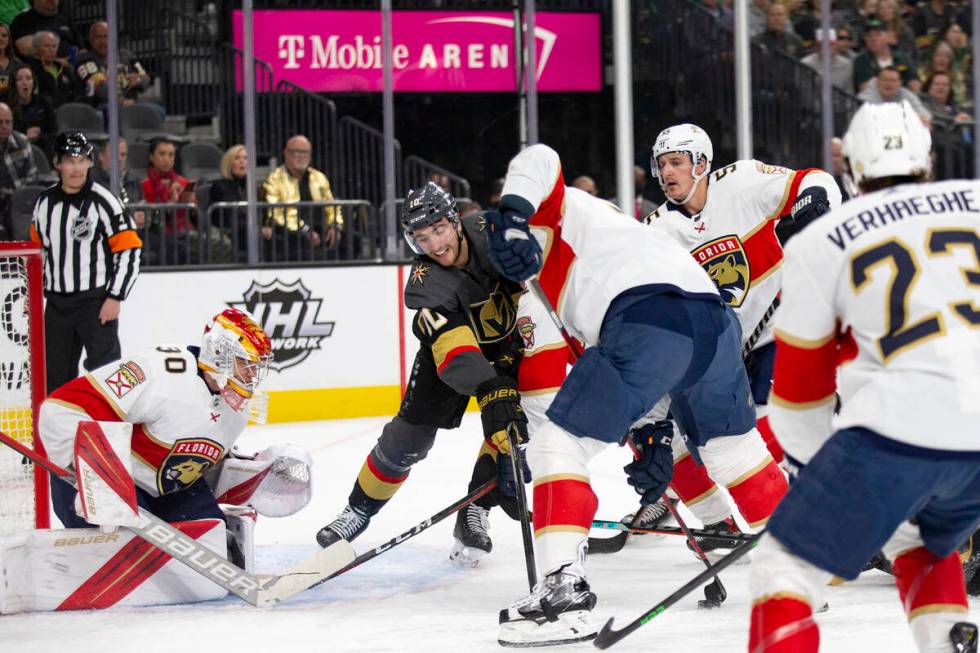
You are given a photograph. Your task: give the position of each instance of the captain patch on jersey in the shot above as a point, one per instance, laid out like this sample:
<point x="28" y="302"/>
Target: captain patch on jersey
<point x="187" y="461"/>
<point x="725" y="262"/>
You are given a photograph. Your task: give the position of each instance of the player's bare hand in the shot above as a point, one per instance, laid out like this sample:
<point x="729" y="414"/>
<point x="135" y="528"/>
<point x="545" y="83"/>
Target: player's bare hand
<point x="109" y="311"/>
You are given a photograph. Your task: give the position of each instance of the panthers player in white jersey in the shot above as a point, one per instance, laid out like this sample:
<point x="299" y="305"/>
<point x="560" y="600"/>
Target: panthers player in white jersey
<point x="172" y="414"/>
<point x="727" y="220"/>
<point x="880" y="305"/>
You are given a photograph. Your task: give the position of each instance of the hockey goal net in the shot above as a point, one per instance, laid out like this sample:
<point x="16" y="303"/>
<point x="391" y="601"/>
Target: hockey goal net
<point x="23" y="490"/>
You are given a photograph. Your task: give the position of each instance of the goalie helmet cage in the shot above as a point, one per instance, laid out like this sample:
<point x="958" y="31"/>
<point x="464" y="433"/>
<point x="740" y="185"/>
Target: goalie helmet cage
<point x="24" y="498"/>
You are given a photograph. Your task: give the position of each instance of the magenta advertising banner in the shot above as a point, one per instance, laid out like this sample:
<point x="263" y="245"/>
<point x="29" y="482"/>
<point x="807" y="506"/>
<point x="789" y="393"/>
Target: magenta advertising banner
<point x="451" y="51"/>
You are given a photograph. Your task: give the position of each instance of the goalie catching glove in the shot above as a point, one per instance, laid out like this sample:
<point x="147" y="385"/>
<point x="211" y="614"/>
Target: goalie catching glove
<point x="651" y="472"/>
<point x="275" y="481"/>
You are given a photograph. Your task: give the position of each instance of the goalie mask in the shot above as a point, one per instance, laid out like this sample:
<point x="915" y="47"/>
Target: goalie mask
<point x="236" y="352"/>
<point x="687" y="138"/>
<point x="882" y="141"/>
<point x="423" y="208"/>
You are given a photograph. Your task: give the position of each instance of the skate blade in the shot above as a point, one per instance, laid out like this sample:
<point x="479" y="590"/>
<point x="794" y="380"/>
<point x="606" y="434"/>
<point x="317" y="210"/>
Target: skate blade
<point x="466" y="556"/>
<point x="570" y="627"/>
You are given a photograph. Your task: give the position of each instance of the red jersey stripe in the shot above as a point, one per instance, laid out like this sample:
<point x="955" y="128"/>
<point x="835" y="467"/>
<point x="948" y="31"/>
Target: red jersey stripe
<point x="763" y="251"/>
<point x="543" y="369"/>
<point x="453" y="353"/>
<point x="804" y="375"/>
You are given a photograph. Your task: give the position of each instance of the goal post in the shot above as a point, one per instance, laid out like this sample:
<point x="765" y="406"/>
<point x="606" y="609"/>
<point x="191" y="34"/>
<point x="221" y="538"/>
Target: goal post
<point x="24" y="497"/>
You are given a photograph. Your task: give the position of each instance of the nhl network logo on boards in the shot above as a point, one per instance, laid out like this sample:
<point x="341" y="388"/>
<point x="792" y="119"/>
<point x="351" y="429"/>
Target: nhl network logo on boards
<point x="288" y="312"/>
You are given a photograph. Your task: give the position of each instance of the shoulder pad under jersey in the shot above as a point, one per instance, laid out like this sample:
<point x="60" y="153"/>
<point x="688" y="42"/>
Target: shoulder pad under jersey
<point x="430" y="285"/>
<point x="660" y="212"/>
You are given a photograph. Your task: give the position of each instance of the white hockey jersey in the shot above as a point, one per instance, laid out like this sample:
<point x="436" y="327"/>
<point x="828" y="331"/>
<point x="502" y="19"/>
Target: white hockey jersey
<point x="592" y="251"/>
<point x="888" y="289"/>
<point x="180" y="429"/>
<point x="734" y="236"/>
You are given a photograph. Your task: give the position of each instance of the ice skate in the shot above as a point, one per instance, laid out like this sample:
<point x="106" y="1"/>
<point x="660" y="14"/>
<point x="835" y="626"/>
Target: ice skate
<point x="348" y="525"/>
<point x="472" y="539"/>
<point x="558" y="611"/>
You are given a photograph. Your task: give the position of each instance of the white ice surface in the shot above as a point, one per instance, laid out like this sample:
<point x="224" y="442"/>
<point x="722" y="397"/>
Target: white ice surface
<point x="412" y="598"/>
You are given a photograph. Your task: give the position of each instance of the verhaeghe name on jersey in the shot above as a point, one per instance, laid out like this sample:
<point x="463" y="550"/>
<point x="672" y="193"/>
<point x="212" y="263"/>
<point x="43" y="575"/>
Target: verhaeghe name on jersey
<point x="886" y="212"/>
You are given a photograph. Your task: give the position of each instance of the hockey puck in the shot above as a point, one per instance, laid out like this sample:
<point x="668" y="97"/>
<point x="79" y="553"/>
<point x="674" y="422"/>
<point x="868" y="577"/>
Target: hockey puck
<point x="707" y="604"/>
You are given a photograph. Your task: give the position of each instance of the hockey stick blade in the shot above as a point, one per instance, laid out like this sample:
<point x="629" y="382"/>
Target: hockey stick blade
<point x="609" y="636"/>
<point x="669" y="530"/>
<point x="612" y="544"/>
<point x="196" y="556"/>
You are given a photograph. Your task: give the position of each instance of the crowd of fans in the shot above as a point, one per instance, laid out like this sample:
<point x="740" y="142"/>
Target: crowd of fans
<point x="884" y="51"/>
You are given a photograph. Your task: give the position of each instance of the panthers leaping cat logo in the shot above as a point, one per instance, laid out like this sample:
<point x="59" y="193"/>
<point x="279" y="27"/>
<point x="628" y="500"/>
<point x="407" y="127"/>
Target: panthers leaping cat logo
<point x="725" y="262"/>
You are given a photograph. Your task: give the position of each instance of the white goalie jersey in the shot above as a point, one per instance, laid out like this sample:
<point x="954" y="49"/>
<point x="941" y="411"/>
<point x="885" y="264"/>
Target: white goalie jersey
<point x="733" y="238"/>
<point x="180" y="428"/>
<point x="881" y="302"/>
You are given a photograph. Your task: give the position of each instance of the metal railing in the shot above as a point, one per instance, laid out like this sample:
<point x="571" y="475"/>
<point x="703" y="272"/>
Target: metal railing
<point x="417" y="171"/>
<point x="182" y="234"/>
<point x="362" y="162"/>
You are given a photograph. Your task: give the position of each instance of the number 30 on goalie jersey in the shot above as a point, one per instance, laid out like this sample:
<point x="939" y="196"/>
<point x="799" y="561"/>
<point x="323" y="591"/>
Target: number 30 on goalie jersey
<point x="888" y="289"/>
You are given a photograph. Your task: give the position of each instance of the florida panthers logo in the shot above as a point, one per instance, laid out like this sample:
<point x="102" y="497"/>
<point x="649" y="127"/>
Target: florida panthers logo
<point x="187" y="461"/>
<point x="526" y="326"/>
<point x="725" y="262"/>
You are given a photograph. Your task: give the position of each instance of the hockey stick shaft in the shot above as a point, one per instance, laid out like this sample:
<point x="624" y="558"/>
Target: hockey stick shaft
<point x="517" y="462"/>
<point x="760" y="327"/>
<point x="609" y="636"/>
<point x="669" y="530"/>
<point x="414" y="530"/>
<point x="535" y="286"/>
<point x="191" y="553"/>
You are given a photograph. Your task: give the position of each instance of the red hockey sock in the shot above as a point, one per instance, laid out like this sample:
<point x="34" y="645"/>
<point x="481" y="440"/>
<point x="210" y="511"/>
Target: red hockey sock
<point x="758" y="492"/>
<point x="783" y="624"/>
<point x="563" y="503"/>
<point x="691" y="481"/>
<point x="775" y="450"/>
<point x="927" y="583"/>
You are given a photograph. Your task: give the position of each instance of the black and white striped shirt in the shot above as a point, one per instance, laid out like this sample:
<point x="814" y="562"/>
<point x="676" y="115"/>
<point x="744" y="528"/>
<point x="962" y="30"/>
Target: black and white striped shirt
<point x="89" y="241"/>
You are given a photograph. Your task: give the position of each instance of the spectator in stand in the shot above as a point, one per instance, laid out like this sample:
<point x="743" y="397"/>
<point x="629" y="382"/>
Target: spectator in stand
<point x="18" y="168"/>
<point x="806" y="22"/>
<point x="898" y="35"/>
<point x="887" y="87"/>
<point x="8" y="61"/>
<point x="130" y="190"/>
<point x="857" y="16"/>
<point x="164" y="185"/>
<point x="931" y="21"/>
<point x="776" y="38"/>
<point x="441" y="180"/>
<point x="722" y="13"/>
<point x="959" y="41"/>
<point x="837" y="165"/>
<point x="467" y="208"/>
<point x="10" y="9"/>
<point x="941" y="61"/>
<point x="43" y="16"/>
<point x="33" y="112"/>
<point x="757" y="17"/>
<point x="90" y="66"/>
<point x="879" y="55"/>
<point x="231" y="188"/>
<point x="937" y="96"/>
<point x="288" y="234"/>
<point x="54" y="78"/>
<point x="586" y="183"/>
<point x="841" y="64"/>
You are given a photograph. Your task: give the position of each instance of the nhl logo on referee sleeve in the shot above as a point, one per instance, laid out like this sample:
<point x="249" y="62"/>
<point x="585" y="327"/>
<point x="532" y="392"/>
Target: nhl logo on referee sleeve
<point x="725" y="261"/>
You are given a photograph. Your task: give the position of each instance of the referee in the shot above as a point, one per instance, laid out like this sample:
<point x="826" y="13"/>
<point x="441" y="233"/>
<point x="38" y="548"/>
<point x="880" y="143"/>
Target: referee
<point x="91" y="261"/>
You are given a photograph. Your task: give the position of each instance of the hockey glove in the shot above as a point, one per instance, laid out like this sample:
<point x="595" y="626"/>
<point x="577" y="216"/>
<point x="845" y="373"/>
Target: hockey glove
<point x="513" y="250"/>
<point x="506" y="481"/>
<point x="500" y="406"/>
<point x="810" y="205"/>
<point x="651" y="472"/>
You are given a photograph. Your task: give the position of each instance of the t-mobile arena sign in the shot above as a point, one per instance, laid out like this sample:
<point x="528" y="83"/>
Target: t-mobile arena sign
<point x="454" y="51"/>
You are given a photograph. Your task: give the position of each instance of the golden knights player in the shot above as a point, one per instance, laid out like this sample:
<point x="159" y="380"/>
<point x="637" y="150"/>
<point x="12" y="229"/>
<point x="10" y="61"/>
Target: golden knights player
<point x="465" y="319"/>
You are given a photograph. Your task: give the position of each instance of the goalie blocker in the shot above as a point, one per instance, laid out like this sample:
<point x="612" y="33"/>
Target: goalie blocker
<point x="84" y="568"/>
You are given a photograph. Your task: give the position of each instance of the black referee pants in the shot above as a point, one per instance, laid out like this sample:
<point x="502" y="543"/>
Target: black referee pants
<point x="71" y="322"/>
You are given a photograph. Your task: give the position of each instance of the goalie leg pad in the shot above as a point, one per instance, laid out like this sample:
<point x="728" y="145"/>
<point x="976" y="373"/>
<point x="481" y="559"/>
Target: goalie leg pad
<point x="564" y="503"/>
<point x="77" y="569"/>
<point x="784" y="589"/>
<point x="743" y="465"/>
<point x="240" y="523"/>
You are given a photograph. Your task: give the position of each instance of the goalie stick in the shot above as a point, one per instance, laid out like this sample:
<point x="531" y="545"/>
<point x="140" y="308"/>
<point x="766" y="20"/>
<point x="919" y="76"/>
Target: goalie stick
<point x="255" y="590"/>
<point x="609" y="636"/>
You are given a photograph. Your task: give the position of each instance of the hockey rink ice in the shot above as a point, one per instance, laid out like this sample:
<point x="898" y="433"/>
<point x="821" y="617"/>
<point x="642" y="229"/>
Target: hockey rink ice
<point x="412" y="598"/>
